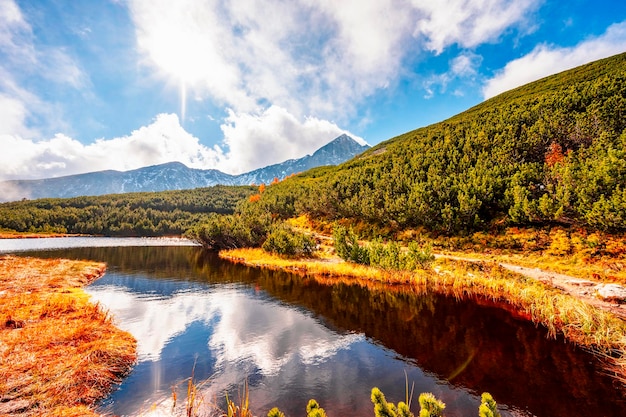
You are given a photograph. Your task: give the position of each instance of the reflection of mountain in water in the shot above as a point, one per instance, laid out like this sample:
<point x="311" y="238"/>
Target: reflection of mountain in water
<point x="478" y="347"/>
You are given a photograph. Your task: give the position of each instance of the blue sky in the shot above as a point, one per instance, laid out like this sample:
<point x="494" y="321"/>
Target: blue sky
<point x="235" y="85"/>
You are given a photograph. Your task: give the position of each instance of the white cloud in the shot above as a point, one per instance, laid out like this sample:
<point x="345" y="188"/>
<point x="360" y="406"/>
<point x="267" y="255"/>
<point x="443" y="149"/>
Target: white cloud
<point x="162" y="141"/>
<point x="310" y="57"/>
<point x="469" y="23"/>
<point x="15" y="33"/>
<point x="289" y="72"/>
<point x="284" y="69"/>
<point x="59" y="67"/>
<point x="10" y="192"/>
<point x="464" y="66"/>
<point x="545" y="60"/>
<point x="272" y="136"/>
<point x="12" y="115"/>
<point x="22" y="110"/>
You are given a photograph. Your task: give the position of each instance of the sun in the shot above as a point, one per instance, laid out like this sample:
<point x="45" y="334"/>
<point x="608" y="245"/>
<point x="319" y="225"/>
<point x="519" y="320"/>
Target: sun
<point x="180" y="48"/>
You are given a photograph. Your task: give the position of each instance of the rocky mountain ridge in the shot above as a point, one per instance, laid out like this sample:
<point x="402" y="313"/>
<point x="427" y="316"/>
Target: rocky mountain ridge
<point x="175" y="176"/>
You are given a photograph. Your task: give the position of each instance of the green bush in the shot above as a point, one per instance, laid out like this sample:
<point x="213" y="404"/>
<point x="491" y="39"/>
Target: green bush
<point x="419" y="256"/>
<point x="384" y="409"/>
<point x="347" y="246"/>
<point x="488" y="406"/>
<point x="386" y="256"/>
<point x="275" y="412"/>
<point x="430" y="406"/>
<point x="313" y="409"/>
<point x="231" y="231"/>
<point x="284" y="241"/>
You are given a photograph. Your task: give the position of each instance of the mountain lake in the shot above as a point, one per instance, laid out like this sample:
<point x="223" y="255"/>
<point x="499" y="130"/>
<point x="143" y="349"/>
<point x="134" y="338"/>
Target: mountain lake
<point x="291" y="338"/>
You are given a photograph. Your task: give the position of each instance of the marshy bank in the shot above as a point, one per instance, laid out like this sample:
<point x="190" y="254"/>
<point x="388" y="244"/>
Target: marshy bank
<point x="578" y="322"/>
<point x="59" y="353"/>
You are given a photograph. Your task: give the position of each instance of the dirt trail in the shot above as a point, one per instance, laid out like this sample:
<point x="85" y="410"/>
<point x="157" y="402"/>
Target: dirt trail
<point x="583" y="289"/>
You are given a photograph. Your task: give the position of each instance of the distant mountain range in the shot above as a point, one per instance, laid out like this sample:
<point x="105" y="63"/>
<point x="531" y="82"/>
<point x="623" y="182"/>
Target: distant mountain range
<point x="176" y="176"/>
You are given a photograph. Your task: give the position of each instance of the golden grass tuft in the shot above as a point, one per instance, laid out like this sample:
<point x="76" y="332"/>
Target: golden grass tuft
<point x="59" y="353"/>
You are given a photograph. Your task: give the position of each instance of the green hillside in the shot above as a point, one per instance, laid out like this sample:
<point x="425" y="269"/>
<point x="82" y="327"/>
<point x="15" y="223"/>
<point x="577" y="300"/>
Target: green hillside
<point x="550" y="152"/>
<point x="130" y="214"/>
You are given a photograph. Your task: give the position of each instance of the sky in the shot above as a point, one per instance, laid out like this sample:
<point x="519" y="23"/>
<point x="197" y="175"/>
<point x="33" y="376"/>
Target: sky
<point x="237" y="85"/>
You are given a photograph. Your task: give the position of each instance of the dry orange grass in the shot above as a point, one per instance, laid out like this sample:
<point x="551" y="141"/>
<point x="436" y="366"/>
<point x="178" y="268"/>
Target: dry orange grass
<point x="59" y="353"/>
<point x="596" y="256"/>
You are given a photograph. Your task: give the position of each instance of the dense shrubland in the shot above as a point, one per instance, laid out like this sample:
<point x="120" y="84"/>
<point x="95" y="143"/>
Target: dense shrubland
<point x="132" y="214"/>
<point x="389" y="256"/>
<point x="549" y="153"/>
<point x="552" y="153"/>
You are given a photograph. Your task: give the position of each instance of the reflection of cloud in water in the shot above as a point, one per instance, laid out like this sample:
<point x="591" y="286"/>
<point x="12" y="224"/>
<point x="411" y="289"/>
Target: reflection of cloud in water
<point x="153" y="321"/>
<point x="248" y="336"/>
<point x="249" y="329"/>
<point x="235" y="334"/>
<point x="269" y="335"/>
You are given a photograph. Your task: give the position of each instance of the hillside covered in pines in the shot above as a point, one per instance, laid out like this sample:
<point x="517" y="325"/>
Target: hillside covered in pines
<point x="131" y="214"/>
<point x="552" y="152"/>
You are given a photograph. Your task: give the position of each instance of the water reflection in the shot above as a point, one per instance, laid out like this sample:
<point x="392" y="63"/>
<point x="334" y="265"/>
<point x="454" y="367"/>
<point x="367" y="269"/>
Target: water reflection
<point x="294" y="338"/>
<point x="230" y="332"/>
<point x="50" y="243"/>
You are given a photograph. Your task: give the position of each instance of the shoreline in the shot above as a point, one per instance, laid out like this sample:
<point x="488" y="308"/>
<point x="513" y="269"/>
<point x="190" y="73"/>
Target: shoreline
<point x="59" y="352"/>
<point x="27" y="235"/>
<point x="599" y="331"/>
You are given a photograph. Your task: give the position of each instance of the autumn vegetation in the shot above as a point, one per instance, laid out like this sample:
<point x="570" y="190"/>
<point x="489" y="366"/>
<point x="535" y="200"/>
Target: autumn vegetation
<point x="59" y="353"/>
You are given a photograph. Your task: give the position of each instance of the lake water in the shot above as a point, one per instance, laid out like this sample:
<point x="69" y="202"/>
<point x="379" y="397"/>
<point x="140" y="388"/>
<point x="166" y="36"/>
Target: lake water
<point x="292" y="339"/>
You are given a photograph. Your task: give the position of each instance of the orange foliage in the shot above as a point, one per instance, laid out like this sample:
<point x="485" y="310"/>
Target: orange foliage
<point x="554" y="155"/>
<point x="275" y="181"/>
<point x="254" y="198"/>
<point x="261" y="188"/>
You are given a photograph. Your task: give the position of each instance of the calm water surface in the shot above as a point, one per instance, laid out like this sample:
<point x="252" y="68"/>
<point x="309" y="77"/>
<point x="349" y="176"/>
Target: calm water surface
<point x="294" y="339"/>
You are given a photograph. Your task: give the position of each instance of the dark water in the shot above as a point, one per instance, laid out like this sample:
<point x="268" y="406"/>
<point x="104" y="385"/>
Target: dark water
<point x="294" y="339"/>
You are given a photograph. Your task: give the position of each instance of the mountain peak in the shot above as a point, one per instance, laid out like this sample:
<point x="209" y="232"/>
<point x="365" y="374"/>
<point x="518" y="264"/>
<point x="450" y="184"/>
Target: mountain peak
<point x="345" y="138"/>
<point x="340" y="146"/>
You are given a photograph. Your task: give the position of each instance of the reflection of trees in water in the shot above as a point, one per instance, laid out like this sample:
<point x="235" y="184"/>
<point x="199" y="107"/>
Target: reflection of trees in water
<point x="472" y="343"/>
